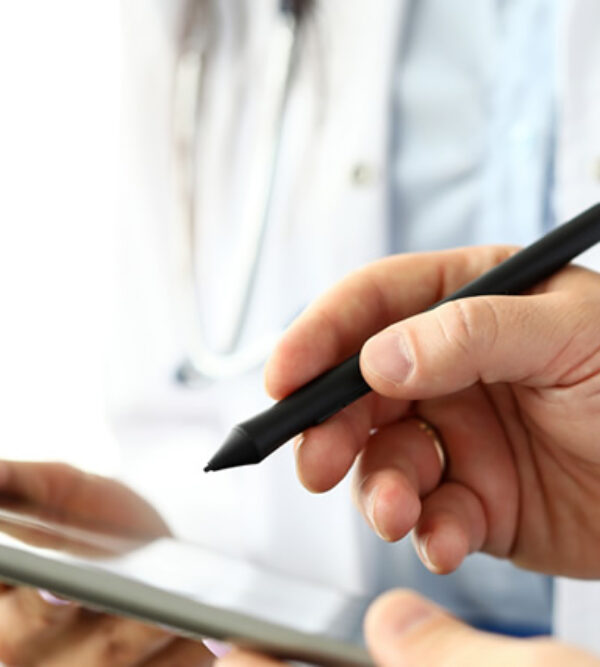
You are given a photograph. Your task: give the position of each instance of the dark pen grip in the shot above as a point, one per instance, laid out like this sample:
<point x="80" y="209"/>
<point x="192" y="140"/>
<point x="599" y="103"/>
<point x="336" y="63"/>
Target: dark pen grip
<point x="324" y="396"/>
<point x="327" y="394"/>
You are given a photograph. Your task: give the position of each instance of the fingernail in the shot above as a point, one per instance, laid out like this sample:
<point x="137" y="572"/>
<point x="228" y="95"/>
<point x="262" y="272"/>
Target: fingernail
<point x="54" y="600"/>
<point x="370" y="504"/>
<point x="217" y="648"/>
<point x="298" y="443"/>
<point x="422" y="545"/>
<point x="388" y="356"/>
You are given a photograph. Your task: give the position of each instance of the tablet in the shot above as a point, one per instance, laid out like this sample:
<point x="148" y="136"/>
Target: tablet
<point x="189" y="589"/>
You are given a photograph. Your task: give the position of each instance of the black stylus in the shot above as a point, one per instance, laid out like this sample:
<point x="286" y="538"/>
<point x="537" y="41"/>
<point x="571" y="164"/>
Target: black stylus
<point x="253" y="440"/>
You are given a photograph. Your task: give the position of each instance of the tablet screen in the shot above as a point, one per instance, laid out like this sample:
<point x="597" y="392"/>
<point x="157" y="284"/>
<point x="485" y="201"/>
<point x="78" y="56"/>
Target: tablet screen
<point x="189" y="588"/>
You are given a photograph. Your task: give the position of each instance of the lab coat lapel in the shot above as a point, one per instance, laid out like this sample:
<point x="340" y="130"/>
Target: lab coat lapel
<point x="356" y="51"/>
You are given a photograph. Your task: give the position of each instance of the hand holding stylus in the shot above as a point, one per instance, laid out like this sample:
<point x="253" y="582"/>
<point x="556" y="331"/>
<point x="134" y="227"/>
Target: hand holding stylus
<point x="481" y="435"/>
<point x="508" y="385"/>
<point x="326" y="394"/>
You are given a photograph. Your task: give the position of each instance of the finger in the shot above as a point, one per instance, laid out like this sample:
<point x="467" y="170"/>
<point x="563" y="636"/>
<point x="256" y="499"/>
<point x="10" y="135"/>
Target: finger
<point x="107" y="640"/>
<point x="532" y="340"/>
<point x="29" y="623"/>
<point x="239" y="658"/>
<point x="182" y="653"/>
<point x="59" y="486"/>
<point x="400" y="464"/>
<point x="337" y="324"/>
<point x="451" y="526"/>
<point x="325" y="454"/>
<point x="480" y="456"/>
<point x="37" y="482"/>
<point x="403" y="629"/>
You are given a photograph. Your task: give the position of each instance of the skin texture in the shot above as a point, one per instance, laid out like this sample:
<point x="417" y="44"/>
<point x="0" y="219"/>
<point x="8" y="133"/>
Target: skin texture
<point x="512" y="387"/>
<point x="405" y="630"/>
<point x="511" y="384"/>
<point x="35" y="631"/>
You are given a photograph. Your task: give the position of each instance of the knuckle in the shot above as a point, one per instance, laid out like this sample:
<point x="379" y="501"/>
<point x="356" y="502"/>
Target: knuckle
<point x="470" y="325"/>
<point x="489" y="321"/>
<point x="41" y="616"/>
<point x="455" y="321"/>
<point x="115" y="650"/>
<point x="124" y="642"/>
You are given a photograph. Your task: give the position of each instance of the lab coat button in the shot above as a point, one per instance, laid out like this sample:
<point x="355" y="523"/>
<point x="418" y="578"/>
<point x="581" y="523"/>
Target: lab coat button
<point x="596" y="169"/>
<point x="363" y="174"/>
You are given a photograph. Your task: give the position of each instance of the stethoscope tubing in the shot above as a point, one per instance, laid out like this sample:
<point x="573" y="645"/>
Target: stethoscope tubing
<point x="201" y="360"/>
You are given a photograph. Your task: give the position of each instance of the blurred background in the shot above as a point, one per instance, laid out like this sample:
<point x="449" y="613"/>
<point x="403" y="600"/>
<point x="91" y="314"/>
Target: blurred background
<point x="59" y="117"/>
<point x="455" y="141"/>
<point x="93" y="341"/>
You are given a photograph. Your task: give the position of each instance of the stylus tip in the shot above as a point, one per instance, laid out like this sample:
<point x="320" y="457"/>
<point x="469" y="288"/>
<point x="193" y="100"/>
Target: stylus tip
<point x="237" y="450"/>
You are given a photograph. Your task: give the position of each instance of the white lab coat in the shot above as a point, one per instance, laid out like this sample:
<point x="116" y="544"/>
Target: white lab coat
<point x="331" y="222"/>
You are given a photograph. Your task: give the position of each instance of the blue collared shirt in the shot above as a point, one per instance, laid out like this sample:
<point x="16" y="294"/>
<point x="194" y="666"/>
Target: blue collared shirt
<point x="473" y="116"/>
<point x="471" y="162"/>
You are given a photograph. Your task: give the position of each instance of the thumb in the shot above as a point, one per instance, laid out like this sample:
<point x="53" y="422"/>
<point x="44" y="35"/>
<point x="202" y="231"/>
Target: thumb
<point x="403" y="629"/>
<point x="531" y="339"/>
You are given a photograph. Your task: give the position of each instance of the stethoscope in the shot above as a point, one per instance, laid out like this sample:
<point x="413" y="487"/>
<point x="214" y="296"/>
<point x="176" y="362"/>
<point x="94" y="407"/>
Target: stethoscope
<point x="203" y="361"/>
